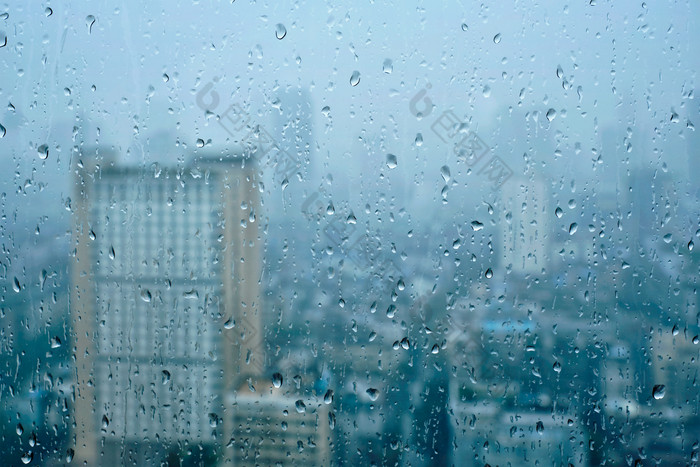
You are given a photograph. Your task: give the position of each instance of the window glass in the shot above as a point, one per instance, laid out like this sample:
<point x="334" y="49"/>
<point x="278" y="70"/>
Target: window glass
<point x="349" y="233"/>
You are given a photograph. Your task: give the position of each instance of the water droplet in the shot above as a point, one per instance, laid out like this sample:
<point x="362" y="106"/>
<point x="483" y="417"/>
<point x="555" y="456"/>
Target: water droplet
<point x="69" y="455"/>
<point x="691" y="245"/>
<point x="573" y="228"/>
<point x="90" y="20"/>
<point x="3" y="131"/>
<point x="16" y="285"/>
<point x="328" y="397"/>
<point x="200" y="143"/>
<point x="668" y="237"/>
<point x="445" y="172"/>
<point x="166" y="78"/>
<point x="165" y="376"/>
<point x="476" y="226"/>
<point x="674" y="117"/>
<point x="326" y="111"/>
<point x="391" y="161"/>
<point x="146" y="295"/>
<point x="112" y="254"/>
<point x="55" y="342"/>
<point x="27" y="458"/>
<point x="387" y="66"/>
<point x="48" y="12"/>
<point x="391" y="311"/>
<point x="280" y="31"/>
<point x="435" y="349"/>
<point x="373" y="394"/>
<point x="419" y="140"/>
<point x="20" y="429"/>
<point x="301" y="407"/>
<point x="497" y="38"/>
<point x="551" y="114"/>
<point x="557" y="367"/>
<point x="355" y="78"/>
<point x="330" y="210"/>
<point x="487" y="91"/>
<point x="405" y="343"/>
<point x="277" y="380"/>
<point x="105" y="422"/>
<point x="465" y="27"/>
<point x="43" y="152"/>
<point x="659" y="391"/>
<point x="539" y="427"/>
<point x="558" y="212"/>
<point x="489" y="273"/>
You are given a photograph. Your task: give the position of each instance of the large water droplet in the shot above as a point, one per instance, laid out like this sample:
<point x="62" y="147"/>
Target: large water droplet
<point x="328" y="397"/>
<point x="387" y="66"/>
<point x="445" y="172"/>
<point x="280" y="31"/>
<point x="659" y="391"/>
<point x="489" y="273"/>
<point x="300" y="406"/>
<point x="551" y="114"/>
<point x="497" y="38"/>
<point x="277" y="380"/>
<point x="355" y="78"/>
<point x="465" y="27"/>
<point x="373" y="394"/>
<point x="3" y="131"/>
<point x="573" y="228"/>
<point x="90" y="20"/>
<point x="476" y="226"/>
<point x="165" y="377"/>
<point x="391" y="161"/>
<point x="558" y="212"/>
<point x="43" y="152"/>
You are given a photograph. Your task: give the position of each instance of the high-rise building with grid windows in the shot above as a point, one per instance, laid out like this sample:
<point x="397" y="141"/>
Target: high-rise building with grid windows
<point x="165" y="304"/>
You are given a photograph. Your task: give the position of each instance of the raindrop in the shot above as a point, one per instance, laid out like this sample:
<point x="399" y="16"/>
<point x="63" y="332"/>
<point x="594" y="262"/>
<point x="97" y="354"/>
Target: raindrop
<point x="3" y="131"/>
<point x="558" y="212"/>
<point x="391" y="311"/>
<point x="435" y="349"/>
<point x="387" y="66"/>
<point x="489" y="273"/>
<point x="43" y="152"/>
<point x="551" y="114"/>
<point x="112" y="254"/>
<point x="539" y="427"/>
<point x="16" y="286"/>
<point x="373" y="394"/>
<point x="166" y="78"/>
<point x="573" y="228"/>
<point x="90" y="20"/>
<point x="326" y="111"/>
<point x="280" y="31"/>
<point x="476" y="226"/>
<point x="301" y="407"/>
<point x="27" y="458"/>
<point x="146" y="295"/>
<point x="328" y="397"/>
<point x="20" y="429"/>
<point x="69" y="455"/>
<point x="165" y="376"/>
<point x="48" y="11"/>
<point x="105" y="422"/>
<point x="668" y="237"/>
<point x="659" y="391"/>
<point x="445" y="172"/>
<point x="487" y="91"/>
<point x="55" y="342"/>
<point x="419" y="140"/>
<point x="557" y="367"/>
<point x="277" y="380"/>
<point x="391" y="161"/>
<point x="465" y="27"/>
<point x="497" y="38"/>
<point x="355" y="78"/>
<point x="200" y="143"/>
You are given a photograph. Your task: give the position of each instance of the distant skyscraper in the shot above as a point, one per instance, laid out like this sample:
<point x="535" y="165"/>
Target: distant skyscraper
<point x="524" y="227"/>
<point x="164" y="303"/>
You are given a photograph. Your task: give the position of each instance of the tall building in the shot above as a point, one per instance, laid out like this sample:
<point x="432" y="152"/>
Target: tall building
<point x="271" y="428"/>
<point x="165" y="303"/>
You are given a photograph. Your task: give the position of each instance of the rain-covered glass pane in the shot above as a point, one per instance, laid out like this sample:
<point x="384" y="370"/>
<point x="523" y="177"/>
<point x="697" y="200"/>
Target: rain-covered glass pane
<point x="350" y="233"/>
